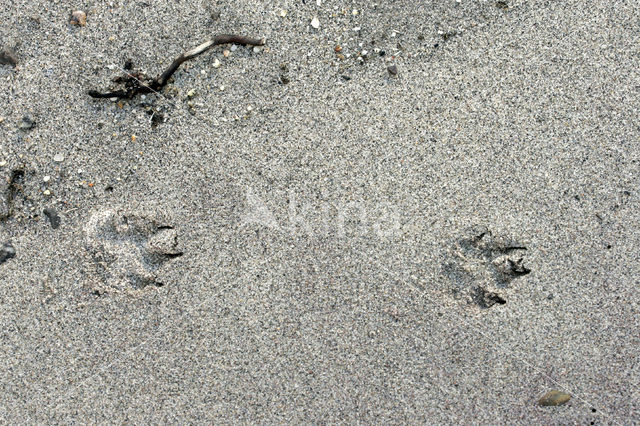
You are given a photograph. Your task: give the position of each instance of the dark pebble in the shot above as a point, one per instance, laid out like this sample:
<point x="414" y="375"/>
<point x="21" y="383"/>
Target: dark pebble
<point x="53" y="217"/>
<point x="7" y="252"/>
<point x="346" y="78"/>
<point x="393" y="70"/>
<point x="8" y="57"/>
<point x="26" y="123"/>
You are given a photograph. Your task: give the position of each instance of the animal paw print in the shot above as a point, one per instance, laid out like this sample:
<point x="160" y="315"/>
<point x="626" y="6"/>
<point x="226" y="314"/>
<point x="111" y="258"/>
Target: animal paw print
<point x="129" y="248"/>
<point x="481" y="267"/>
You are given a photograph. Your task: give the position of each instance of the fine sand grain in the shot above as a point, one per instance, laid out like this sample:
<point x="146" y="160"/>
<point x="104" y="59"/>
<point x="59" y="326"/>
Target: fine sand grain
<point x="402" y="212"/>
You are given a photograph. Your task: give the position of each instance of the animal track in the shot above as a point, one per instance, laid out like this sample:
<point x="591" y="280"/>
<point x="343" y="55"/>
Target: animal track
<point x="129" y="247"/>
<point x="482" y="266"/>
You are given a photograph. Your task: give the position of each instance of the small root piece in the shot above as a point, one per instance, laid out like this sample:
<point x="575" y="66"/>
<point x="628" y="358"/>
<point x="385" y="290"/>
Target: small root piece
<point x="136" y="84"/>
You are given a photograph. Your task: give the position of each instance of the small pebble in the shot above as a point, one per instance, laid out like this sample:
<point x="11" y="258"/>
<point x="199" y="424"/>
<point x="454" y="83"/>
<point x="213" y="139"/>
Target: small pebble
<point x="46" y="178"/>
<point x="221" y="88"/>
<point x="26" y="123"/>
<point x="53" y="217"/>
<point x="234" y="47"/>
<point x="78" y="18"/>
<point x="46" y="192"/>
<point x="554" y="398"/>
<point x="216" y="63"/>
<point x="393" y="70"/>
<point x="226" y="53"/>
<point x="3" y="163"/>
<point x="58" y="158"/>
<point x="191" y="93"/>
<point x="257" y="49"/>
<point x="283" y="13"/>
<point x="7" y="252"/>
<point x="315" y="23"/>
<point x="8" y="57"/>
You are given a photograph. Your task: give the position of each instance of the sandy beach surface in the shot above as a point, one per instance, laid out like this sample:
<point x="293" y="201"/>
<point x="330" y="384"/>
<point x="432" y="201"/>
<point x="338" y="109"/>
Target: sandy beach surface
<point x="392" y="212"/>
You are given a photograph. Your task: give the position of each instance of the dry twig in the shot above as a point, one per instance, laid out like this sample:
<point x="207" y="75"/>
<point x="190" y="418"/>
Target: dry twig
<point x="137" y="83"/>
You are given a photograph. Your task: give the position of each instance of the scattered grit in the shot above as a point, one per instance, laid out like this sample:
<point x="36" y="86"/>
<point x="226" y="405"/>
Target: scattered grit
<point x="400" y="212"/>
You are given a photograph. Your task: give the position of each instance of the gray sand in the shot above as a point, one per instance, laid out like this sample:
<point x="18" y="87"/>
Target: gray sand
<point x="344" y="232"/>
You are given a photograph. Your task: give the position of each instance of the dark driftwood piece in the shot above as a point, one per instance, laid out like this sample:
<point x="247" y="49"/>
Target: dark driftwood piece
<point x="137" y="83"/>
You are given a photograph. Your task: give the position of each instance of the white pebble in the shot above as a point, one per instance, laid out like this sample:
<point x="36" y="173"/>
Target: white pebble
<point x="3" y="163"/>
<point x="46" y="178"/>
<point x="234" y="47"/>
<point x="216" y="63"/>
<point x="283" y="13"/>
<point x="356" y="29"/>
<point x="315" y="23"/>
<point x="203" y="72"/>
<point x="47" y="192"/>
<point x="221" y="88"/>
<point x="58" y="158"/>
<point x="257" y="49"/>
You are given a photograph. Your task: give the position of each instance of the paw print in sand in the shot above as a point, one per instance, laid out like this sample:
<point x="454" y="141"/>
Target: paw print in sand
<point x="482" y="266"/>
<point x="129" y="248"/>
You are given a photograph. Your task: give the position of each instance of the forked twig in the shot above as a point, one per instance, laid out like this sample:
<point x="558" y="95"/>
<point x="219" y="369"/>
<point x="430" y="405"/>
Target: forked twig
<point x="137" y="83"/>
